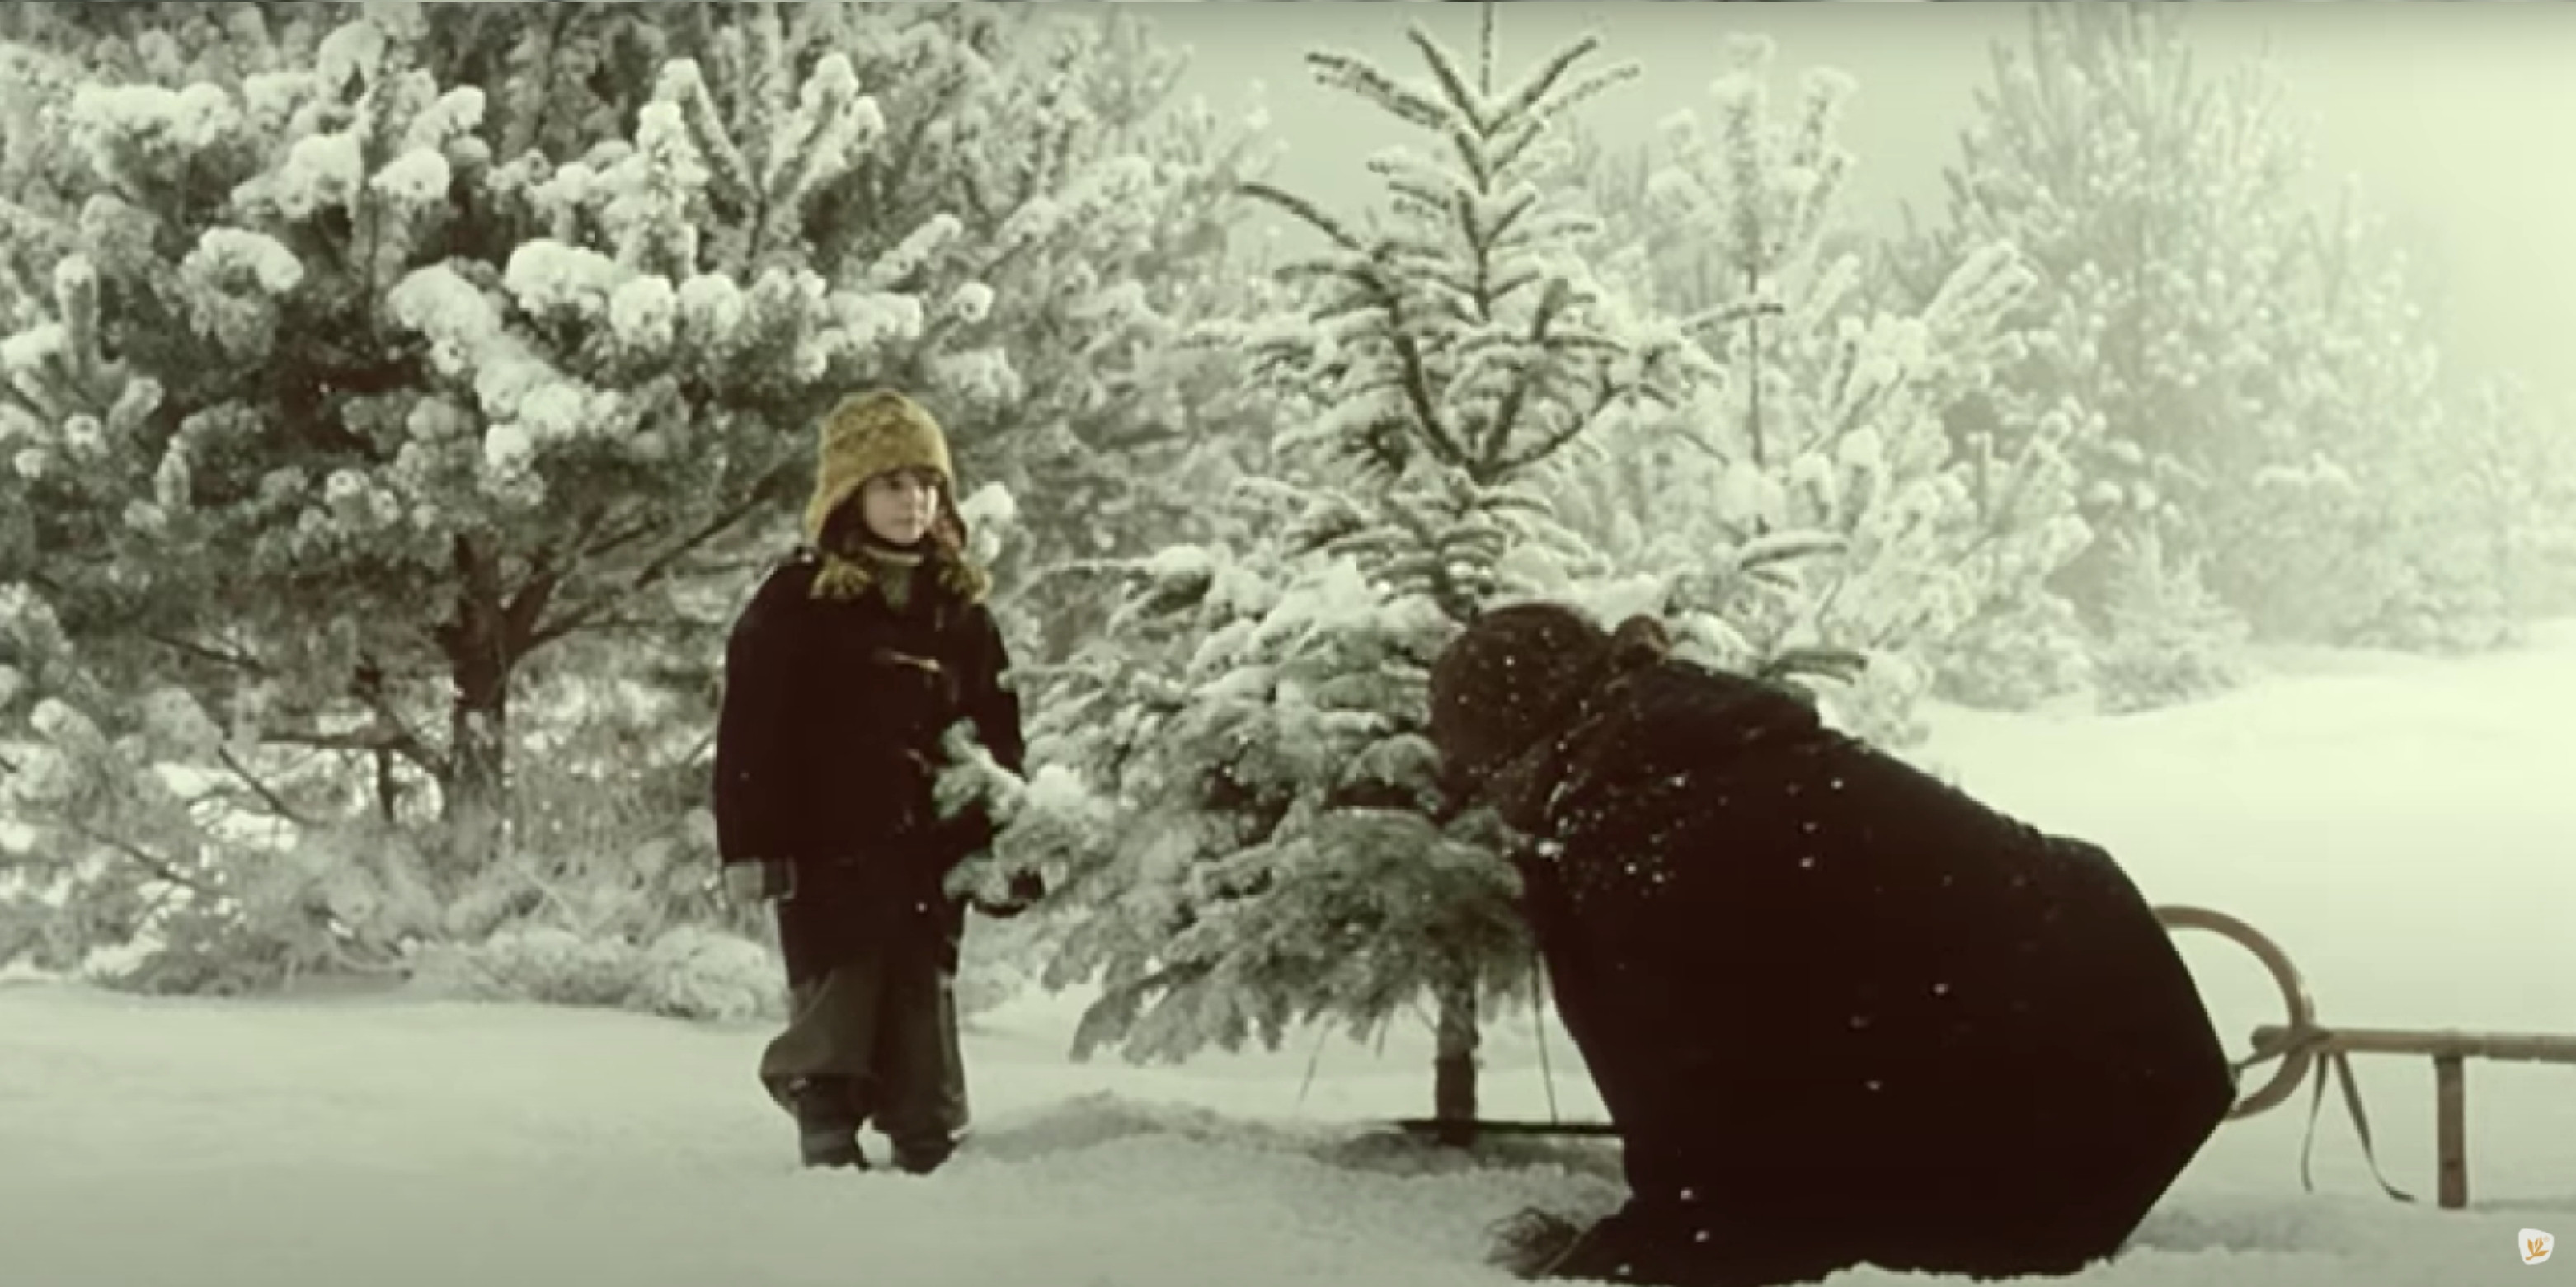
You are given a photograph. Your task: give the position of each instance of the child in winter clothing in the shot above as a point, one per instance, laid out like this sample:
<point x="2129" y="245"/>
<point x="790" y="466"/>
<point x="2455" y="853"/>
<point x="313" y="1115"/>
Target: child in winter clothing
<point x="841" y="676"/>
<point x="1840" y="1013"/>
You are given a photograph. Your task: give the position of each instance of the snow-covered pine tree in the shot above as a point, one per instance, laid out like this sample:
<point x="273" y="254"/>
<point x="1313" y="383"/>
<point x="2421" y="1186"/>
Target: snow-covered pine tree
<point x="1284" y="854"/>
<point x="1037" y="163"/>
<point x="2175" y="314"/>
<point x="2166" y="639"/>
<point x="2318" y="539"/>
<point x="1088" y="204"/>
<point x="2475" y="523"/>
<point x="1813" y="456"/>
<point x="1092" y="202"/>
<point x="359" y="388"/>
<point x="2426" y="501"/>
<point x="2519" y="453"/>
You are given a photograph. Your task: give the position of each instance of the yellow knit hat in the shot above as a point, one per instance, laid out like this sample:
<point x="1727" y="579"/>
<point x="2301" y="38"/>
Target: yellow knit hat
<point x="866" y="435"/>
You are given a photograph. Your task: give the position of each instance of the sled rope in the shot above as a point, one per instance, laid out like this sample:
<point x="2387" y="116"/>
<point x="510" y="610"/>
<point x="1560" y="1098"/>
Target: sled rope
<point x="2316" y="1042"/>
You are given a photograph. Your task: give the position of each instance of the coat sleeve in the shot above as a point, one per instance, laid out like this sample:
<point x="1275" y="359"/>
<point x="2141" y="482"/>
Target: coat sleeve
<point x="750" y="736"/>
<point x="991" y="702"/>
<point x="993" y="709"/>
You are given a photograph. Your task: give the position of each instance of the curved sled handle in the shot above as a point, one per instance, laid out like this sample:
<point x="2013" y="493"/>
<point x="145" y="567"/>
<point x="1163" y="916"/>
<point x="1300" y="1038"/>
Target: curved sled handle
<point x="2297" y="1049"/>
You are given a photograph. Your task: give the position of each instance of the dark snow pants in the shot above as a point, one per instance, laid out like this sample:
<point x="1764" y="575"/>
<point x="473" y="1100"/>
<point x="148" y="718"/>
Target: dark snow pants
<point x="882" y="1022"/>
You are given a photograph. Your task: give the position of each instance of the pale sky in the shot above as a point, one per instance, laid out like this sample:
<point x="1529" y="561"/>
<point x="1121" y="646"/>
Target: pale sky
<point x="2458" y="119"/>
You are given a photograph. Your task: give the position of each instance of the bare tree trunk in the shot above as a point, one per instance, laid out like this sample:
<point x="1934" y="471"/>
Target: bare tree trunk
<point x="1453" y="1065"/>
<point x="475" y="809"/>
<point x="474" y="803"/>
<point x="388" y="789"/>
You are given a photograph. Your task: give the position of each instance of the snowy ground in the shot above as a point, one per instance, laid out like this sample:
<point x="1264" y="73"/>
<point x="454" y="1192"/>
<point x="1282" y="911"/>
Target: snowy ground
<point x="2407" y="830"/>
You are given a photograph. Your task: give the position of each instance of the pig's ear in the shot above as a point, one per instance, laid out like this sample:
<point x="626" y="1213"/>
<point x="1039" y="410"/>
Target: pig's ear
<point x="1640" y="641"/>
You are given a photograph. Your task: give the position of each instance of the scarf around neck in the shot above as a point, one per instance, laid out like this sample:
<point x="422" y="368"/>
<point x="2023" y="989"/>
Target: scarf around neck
<point x="849" y="571"/>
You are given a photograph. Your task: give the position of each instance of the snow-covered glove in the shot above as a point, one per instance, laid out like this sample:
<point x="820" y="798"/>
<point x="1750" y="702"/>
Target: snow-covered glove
<point x="1025" y="891"/>
<point x="758" y="882"/>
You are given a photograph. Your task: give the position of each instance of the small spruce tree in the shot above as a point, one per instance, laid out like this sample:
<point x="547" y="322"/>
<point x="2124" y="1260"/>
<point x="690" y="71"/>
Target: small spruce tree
<point x="1258" y="716"/>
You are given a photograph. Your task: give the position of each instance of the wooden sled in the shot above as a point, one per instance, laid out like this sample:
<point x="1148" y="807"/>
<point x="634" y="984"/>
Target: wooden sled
<point x="2304" y="1046"/>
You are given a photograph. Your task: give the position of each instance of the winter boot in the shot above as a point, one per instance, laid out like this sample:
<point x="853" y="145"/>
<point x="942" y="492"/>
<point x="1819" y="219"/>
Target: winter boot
<point x="827" y="1124"/>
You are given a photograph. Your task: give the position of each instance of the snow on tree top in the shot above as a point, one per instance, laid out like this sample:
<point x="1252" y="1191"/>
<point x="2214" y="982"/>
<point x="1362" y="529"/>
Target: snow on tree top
<point x="321" y="170"/>
<point x="228" y="254"/>
<point x="28" y="351"/>
<point x="460" y="323"/>
<point x="354" y="50"/>
<point x="450" y="120"/>
<point x="418" y="177"/>
<point x="547" y="276"/>
<point x="151" y="118"/>
<point x="643" y="311"/>
<point x="712" y="303"/>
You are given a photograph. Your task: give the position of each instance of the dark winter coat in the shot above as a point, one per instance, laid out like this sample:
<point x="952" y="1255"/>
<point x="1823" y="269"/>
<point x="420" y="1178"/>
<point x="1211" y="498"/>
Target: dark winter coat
<point x="1840" y="1012"/>
<point x="827" y="748"/>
